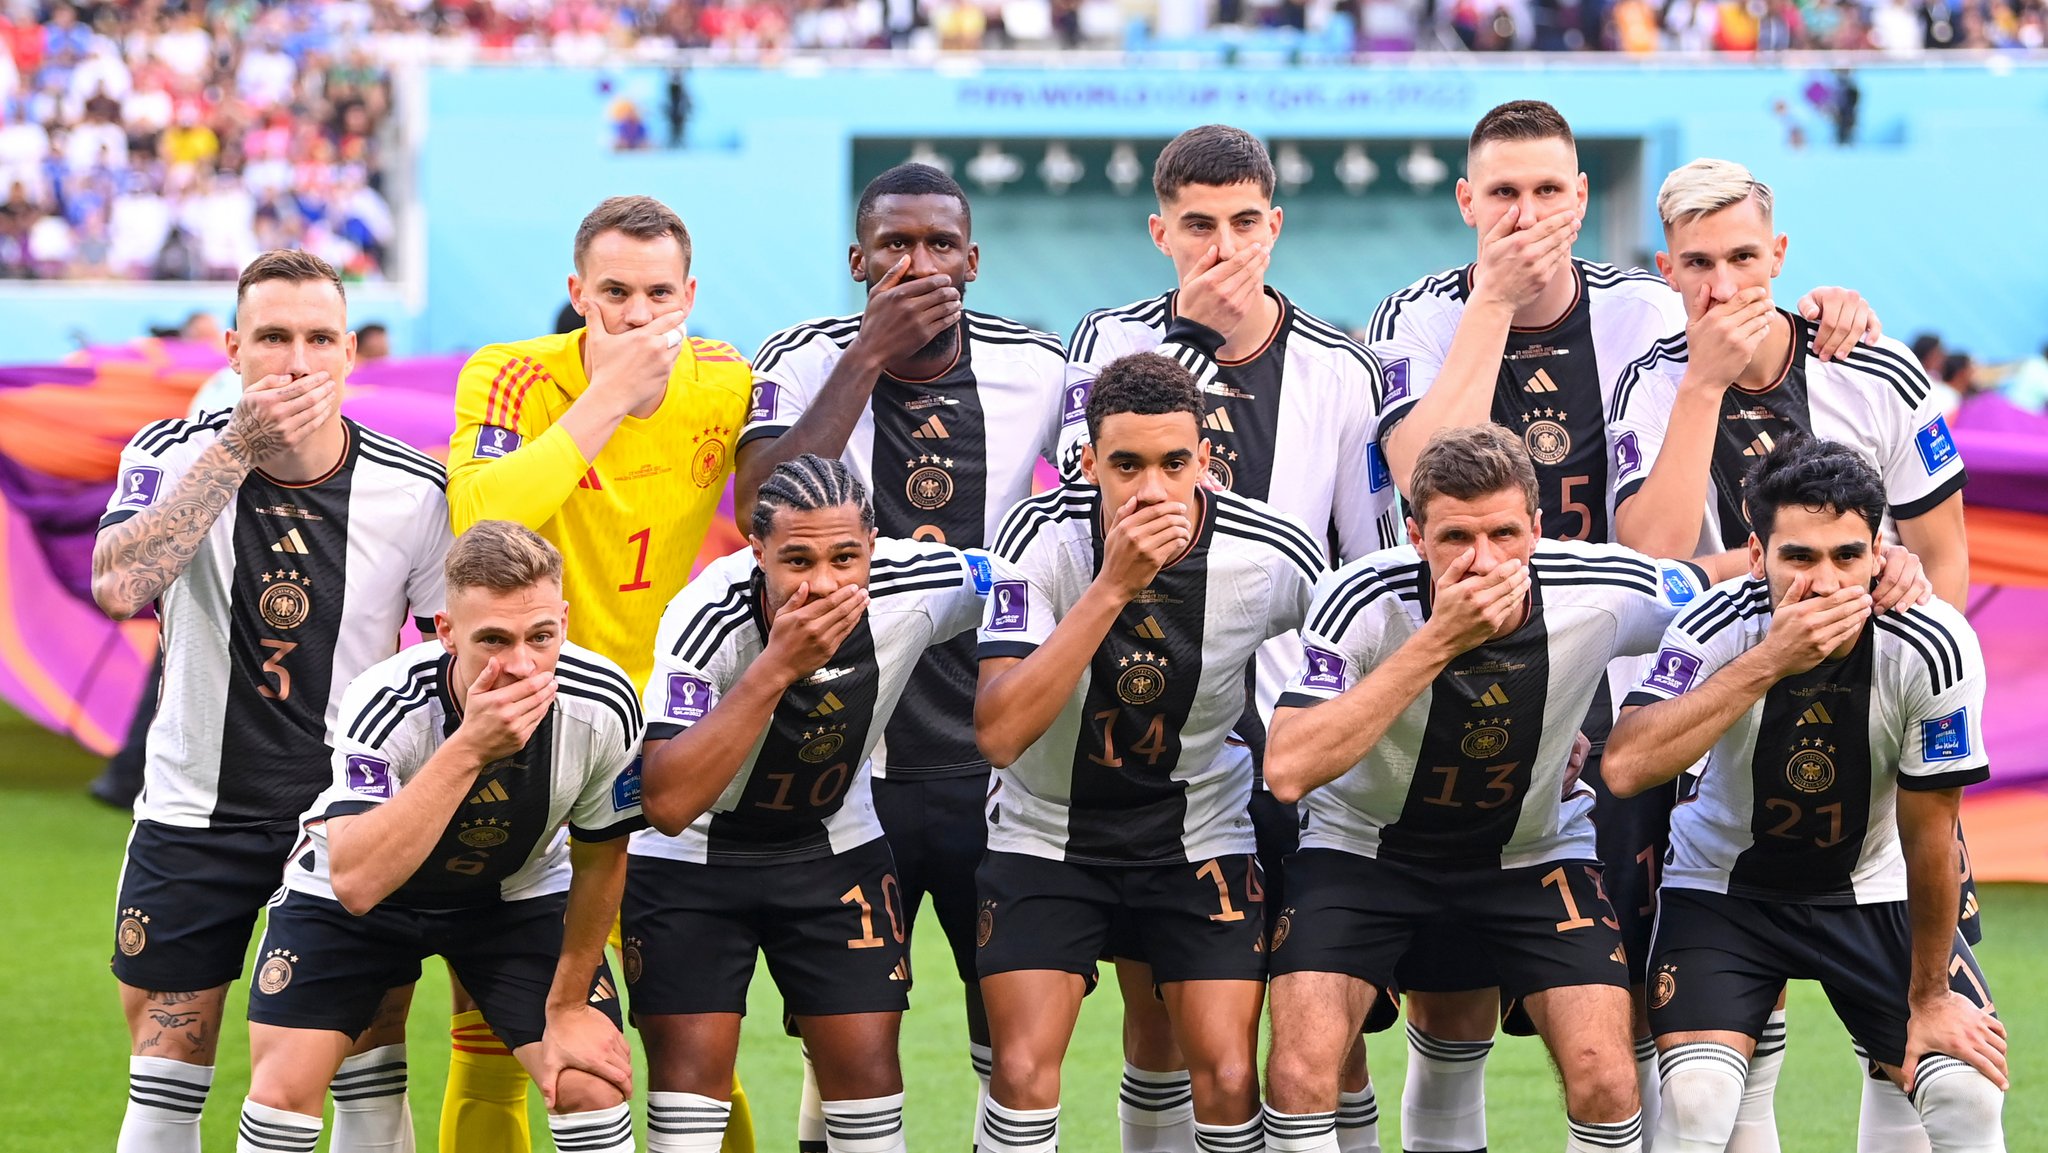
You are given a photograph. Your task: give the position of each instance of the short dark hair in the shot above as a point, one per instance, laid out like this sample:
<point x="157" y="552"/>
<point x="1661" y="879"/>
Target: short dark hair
<point x="372" y="328"/>
<point x="809" y="482"/>
<point x="1521" y="120"/>
<point x="1818" y="475"/>
<point x="1469" y="463"/>
<point x="1214" y="155"/>
<point x="640" y="217"/>
<point x="1144" y="384"/>
<point x="908" y="179"/>
<point x="287" y="264"/>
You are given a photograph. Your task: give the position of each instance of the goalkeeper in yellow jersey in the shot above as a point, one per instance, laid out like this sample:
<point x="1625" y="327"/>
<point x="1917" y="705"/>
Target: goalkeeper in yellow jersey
<point x="614" y="442"/>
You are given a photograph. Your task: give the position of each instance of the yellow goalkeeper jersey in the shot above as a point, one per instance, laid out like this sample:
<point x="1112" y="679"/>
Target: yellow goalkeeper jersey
<point x="629" y="523"/>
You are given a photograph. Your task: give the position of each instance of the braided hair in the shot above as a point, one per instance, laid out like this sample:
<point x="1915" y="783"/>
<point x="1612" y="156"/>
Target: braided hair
<point x="809" y="482"/>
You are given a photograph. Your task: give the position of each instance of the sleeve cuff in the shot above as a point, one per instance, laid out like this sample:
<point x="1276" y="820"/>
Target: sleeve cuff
<point x="116" y="517"/>
<point x="1195" y="335"/>
<point x="611" y="832"/>
<point x="1907" y="511"/>
<point x="347" y="808"/>
<point x="996" y="650"/>
<point x="1628" y="489"/>
<point x="1638" y="698"/>
<point x="754" y="432"/>
<point x="1935" y="782"/>
<point x="662" y="731"/>
<point x="1391" y="418"/>
<point x="1296" y="699"/>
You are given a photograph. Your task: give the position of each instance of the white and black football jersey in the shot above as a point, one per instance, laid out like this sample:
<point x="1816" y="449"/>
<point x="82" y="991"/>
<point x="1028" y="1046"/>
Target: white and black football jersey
<point x="1878" y="401"/>
<point x="1129" y="772"/>
<point x="803" y="792"/>
<point x="582" y="766"/>
<point x="297" y="589"/>
<point x="1471" y="774"/>
<point x="1556" y="384"/>
<point x="944" y="459"/>
<point x="1798" y="799"/>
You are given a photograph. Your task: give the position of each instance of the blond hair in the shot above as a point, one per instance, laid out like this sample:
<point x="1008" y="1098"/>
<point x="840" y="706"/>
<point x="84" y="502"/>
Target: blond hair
<point x="501" y="556"/>
<point x="1707" y="186"/>
<point x="1469" y="463"/>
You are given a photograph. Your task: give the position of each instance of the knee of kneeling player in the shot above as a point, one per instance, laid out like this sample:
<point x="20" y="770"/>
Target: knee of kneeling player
<point x="1022" y="1079"/>
<point x="580" y="1092"/>
<point x="1959" y="1108"/>
<point x="1701" y="1105"/>
<point x="1227" y="1078"/>
<point x="277" y="1085"/>
<point x="1598" y="1088"/>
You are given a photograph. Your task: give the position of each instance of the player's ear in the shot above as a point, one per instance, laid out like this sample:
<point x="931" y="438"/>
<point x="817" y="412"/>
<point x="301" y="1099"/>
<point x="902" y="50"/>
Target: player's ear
<point x="857" y="263"/>
<point x="233" y="340"/>
<point x="1666" y="266"/>
<point x="1414" y="534"/>
<point x="973" y="260"/>
<point x="1277" y="217"/>
<point x="576" y="293"/>
<point x="1778" y="254"/>
<point x="444" y="629"/>
<point x="348" y="351"/>
<point x="1088" y="463"/>
<point x="1157" y="225"/>
<point x="689" y="294"/>
<point x="1756" y="557"/>
<point x="1585" y="192"/>
<point x="1202" y="456"/>
<point x="1464" y="195"/>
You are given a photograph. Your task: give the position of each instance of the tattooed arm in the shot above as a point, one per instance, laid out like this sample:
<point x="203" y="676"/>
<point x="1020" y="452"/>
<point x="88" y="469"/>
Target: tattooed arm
<point x="134" y="561"/>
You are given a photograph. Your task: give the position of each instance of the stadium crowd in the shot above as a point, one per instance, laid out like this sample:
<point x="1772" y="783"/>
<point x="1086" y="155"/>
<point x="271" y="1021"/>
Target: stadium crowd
<point x="175" y="141"/>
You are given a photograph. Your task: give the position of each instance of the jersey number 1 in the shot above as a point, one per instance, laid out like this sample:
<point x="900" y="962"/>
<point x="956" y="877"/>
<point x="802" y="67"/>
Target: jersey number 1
<point x="639" y="580"/>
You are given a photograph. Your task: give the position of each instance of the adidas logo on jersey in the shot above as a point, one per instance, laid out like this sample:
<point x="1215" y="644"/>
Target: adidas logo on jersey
<point x="1149" y="629"/>
<point x="490" y="794"/>
<point x="1761" y="445"/>
<point x="931" y="430"/>
<point x="1541" y="382"/>
<point x="291" y="542"/>
<point x="1219" y="420"/>
<point x="1816" y="714"/>
<point x="832" y="705"/>
<point x="1493" y="696"/>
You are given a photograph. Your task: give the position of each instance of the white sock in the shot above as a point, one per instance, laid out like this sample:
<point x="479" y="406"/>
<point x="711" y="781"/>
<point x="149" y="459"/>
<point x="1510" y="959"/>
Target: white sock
<point x="1959" y="1106"/>
<point x="1358" y="1122"/>
<point x="164" y="1100"/>
<point x="1019" y="1130"/>
<point x="1245" y="1137"/>
<point x="1301" y="1132"/>
<point x="267" y="1130"/>
<point x="1756" y="1122"/>
<point x="594" y="1130"/>
<point x="983" y="1059"/>
<point x="371" y="1113"/>
<point x="867" y="1125"/>
<point x="1155" y="1111"/>
<point x="685" y="1123"/>
<point x="810" y="1111"/>
<point x="1702" y="1090"/>
<point x="1886" y="1121"/>
<point x="1443" y="1108"/>
<point x="1605" y="1137"/>
<point x="1647" y="1086"/>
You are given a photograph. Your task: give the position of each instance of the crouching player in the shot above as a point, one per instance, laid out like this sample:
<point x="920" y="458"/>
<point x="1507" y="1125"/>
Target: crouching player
<point x="775" y="672"/>
<point x="1821" y="843"/>
<point x="456" y="762"/>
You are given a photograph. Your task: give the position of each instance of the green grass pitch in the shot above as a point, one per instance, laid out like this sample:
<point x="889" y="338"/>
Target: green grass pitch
<point x="62" y="1082"/>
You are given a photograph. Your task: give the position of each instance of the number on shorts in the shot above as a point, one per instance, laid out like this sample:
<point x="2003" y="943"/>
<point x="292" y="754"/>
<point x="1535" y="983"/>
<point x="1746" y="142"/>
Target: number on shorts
<point x="1214" y="871"/>
<point x="867" y="938"/>
<point x="1572" y="918"/>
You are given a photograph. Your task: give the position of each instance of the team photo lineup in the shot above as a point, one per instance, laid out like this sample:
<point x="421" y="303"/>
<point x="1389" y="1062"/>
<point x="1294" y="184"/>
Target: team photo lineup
<point x="1574" y="652"/>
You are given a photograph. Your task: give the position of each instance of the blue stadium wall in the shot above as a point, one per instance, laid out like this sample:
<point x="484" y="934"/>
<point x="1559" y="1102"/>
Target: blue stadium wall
<point x="1933" y="213"/>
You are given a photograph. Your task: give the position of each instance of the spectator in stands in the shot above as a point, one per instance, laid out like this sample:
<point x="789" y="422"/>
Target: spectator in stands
<point x="373" y="342"/>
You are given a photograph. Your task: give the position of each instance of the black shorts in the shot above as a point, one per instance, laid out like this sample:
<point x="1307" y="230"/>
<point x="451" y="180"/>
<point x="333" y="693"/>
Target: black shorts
<point x="1278" y="829"/>
<point x="831" y="928"/>
<point x="188" y="902"/>
<point x="1719" y="962"/>
<point x="319" y="967"/>
<point x="1630" y="837"/>
<point x="938" y="831"/>
<point x="1199" y="921"/>
<point x="1545" y="926"/>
